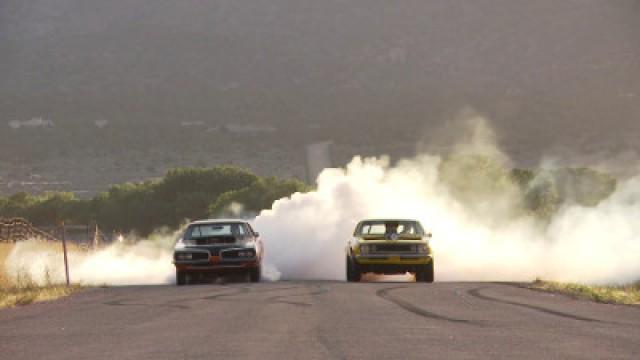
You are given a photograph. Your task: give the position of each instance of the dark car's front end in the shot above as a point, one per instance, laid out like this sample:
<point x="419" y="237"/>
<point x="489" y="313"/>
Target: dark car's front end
<point x="216" y="247"/>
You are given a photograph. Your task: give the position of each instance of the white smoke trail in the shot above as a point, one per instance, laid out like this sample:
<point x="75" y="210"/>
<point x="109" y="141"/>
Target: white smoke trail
<point x="488" y="237"/>
<point x="480" y="233"/>
<point x="143" y="262"/>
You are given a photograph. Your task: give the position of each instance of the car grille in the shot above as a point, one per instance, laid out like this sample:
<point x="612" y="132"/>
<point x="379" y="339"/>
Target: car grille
<point x="215" y="250"/>
<point x="391" y="248"/>
<point x="194" y="255"/>
<point x="216" y="240"/>
<point x="233" y="254"/>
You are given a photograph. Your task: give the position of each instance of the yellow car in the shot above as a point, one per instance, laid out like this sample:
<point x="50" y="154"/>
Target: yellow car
<point x="390" y="246"/>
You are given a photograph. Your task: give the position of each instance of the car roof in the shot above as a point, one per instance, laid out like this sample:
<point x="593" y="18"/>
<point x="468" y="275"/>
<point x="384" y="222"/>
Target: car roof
<point x="372" y="220"/>
<point x="217" y="221"/>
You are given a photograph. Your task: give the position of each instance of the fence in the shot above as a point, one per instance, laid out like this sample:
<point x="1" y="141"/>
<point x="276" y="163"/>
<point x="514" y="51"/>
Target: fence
<point x="18" y="229"/>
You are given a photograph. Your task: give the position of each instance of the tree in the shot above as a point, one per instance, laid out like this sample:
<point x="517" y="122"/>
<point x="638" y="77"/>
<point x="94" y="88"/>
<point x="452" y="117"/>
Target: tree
<point x="51" y="208"/>
<point x="258" y="196"/>
<point x="186" y="193"/>
<point x="18" y="205"/>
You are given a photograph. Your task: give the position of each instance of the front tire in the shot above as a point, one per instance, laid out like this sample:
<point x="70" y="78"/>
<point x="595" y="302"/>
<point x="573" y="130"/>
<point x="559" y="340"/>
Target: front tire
<point x="426" y="273"/>
<point x="181" y="278"/>
<point x="255" y="274"/>
<point x="353" y="272"/>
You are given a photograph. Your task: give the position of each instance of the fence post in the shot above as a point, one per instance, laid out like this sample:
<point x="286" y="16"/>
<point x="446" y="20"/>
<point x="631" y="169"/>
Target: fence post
<point x="64" y="249"/>
<point x="96" y="238"/>
<point x="89" y="233"/>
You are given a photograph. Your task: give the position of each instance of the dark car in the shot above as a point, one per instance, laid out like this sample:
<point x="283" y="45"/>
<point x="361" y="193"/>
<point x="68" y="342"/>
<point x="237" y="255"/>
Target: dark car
<point x="210" y="248"/>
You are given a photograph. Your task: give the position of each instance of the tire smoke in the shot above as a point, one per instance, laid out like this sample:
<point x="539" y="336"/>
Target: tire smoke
<point x="480" y="229"/>
<point x="144" y="262"/>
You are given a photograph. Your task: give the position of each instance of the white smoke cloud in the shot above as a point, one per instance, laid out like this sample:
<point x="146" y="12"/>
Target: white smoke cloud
<point x="481" y="233"/>
<point x="143" y="262"/>
<point x="488" y="237"/>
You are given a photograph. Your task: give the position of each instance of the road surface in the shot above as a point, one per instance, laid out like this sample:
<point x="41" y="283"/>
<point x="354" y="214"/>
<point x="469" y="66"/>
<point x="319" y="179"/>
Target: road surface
<point x="320" y="320"/>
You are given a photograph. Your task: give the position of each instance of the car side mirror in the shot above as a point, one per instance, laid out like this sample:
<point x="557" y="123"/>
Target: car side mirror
<point x="429" y="235"/>
<point x="256" y="234"/>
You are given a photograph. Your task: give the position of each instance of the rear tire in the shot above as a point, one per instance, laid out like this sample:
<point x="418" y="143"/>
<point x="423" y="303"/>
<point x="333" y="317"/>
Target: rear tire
<point x="181" y="278"/>
<point x="353" y="272"/>
<point x="255" y="274"/>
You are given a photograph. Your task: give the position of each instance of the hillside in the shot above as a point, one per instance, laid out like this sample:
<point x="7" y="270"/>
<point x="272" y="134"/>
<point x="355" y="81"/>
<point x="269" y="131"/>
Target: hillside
<point x="99" y="92"/>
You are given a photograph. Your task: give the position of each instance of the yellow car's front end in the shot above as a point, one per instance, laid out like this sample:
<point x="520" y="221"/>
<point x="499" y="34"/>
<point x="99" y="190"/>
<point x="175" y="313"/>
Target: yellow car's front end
<point x="390" y="247"/>
<point x="392" y="252"/>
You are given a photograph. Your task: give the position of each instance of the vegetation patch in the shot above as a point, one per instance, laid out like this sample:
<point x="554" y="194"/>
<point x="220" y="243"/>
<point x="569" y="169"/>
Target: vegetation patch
<point x="185" y="193"/>
<point x="625" y="294"/>
<point x="23" y="295"/>
<point x="196" y="193"/>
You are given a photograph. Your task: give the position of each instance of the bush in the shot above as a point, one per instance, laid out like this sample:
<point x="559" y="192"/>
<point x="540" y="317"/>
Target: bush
<point x="193" y="193"/>
<point x="126" y="207"/>
<point x="258" y="196"/>
<point x="18" y="204"/>
<point x="474" y="177"/>
<point x="545" y="191"/>
<point x="187" y="193"/>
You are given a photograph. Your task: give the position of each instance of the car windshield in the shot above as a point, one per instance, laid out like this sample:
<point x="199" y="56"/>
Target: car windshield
<point x="214" y="230"/>
<point x="382" y="227"/>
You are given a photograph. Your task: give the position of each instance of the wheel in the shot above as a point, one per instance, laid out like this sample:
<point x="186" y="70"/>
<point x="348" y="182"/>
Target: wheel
<point x="181" y="278"/>
<point x="255" y="274"/>
<point x="353" y="273"/>
<point x="425" y="273"/>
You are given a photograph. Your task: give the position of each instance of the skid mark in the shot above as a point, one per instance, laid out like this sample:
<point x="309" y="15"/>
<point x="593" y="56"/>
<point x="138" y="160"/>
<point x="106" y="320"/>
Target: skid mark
<point x="284" y="299"/>
<point x="125" y="302"/>
<point x="478" y="294"/>
<point x="277" y="289"/>
<point x="386" y="294"/>
<point x="235" y="292"/>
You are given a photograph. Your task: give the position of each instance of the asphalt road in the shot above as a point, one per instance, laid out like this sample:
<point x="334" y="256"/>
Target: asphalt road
<point x="320" y="320"/>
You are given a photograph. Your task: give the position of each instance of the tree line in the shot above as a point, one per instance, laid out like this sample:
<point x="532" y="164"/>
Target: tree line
<point x="183" y="193"/>
<point x="195" y="193"/>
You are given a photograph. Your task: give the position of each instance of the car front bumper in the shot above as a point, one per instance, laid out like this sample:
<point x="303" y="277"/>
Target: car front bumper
<point x="393" y="259"/>
<point x="211" y="263"/>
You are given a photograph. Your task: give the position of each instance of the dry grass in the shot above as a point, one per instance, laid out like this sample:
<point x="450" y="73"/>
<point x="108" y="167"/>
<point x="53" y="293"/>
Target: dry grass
<point x="628" y="294"/>
<point x="22" y="291"/>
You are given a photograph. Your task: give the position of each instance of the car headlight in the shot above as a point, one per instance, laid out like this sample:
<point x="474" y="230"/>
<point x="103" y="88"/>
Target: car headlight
<point x="364" y="249"/>
<point x="182" y="243"/>
<point x="420" y="248"/>
<point x="246" y="253"/>
<point x="184" y="256"/>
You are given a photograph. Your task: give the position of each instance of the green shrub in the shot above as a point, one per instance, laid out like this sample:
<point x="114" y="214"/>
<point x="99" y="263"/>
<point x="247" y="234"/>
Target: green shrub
<point x="258" y="196"/>
<point x="545" y="191"/>
<point x="185" y="193"/>
<point x="193" y="193"/>
<point x="474" y="178"/>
